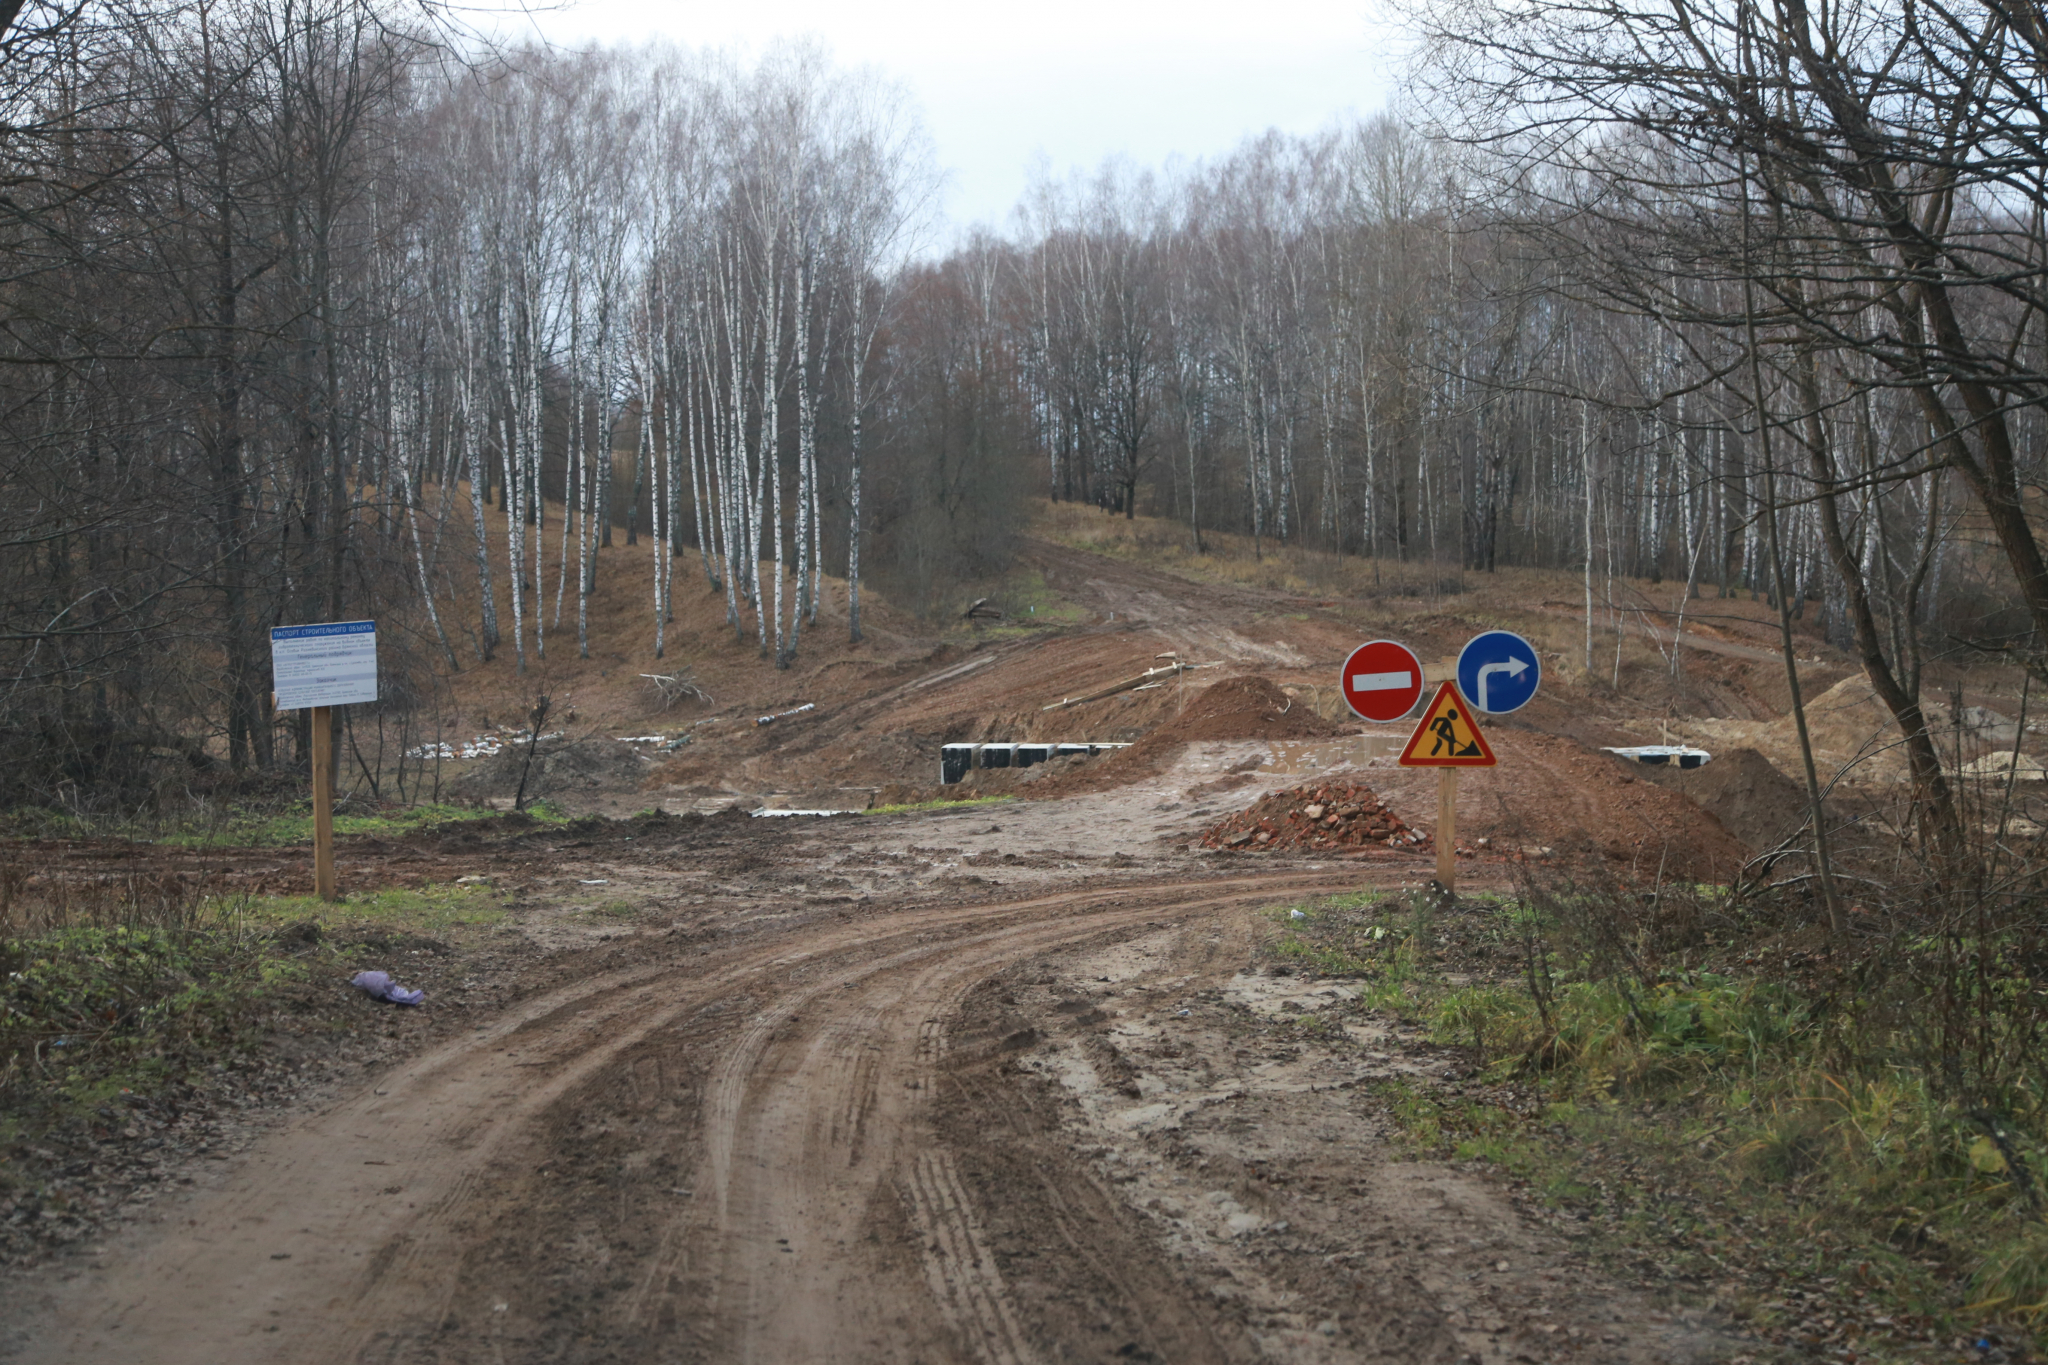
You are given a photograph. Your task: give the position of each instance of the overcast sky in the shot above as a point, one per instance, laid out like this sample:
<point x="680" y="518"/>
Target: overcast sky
<point x="1072" y="81"/>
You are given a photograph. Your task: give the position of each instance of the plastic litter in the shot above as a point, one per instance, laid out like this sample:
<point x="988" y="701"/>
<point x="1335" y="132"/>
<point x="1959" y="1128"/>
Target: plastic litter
<point x="1657" y="755"/>
<point x="380" y="986"/>
<point x="483" y="746"/>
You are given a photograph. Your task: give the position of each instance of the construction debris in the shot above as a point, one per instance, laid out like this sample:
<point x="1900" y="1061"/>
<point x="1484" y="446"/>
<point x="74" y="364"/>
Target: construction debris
<point x="1149" y="678"/>
<point x="1657" y="755"/>
<point x="1315" y="818"/>
<point x="2000" y="767"/>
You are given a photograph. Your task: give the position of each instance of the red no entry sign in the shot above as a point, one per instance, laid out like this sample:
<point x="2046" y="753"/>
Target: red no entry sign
<point x="1382" y="680"/>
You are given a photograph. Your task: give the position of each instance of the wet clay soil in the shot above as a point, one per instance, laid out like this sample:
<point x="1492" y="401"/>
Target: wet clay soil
<point x="1004" y="1083"/>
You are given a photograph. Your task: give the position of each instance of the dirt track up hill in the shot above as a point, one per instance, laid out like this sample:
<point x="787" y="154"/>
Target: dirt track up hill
<point x="1234" y="708"/>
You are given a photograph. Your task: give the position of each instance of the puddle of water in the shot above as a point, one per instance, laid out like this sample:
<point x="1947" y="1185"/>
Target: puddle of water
<point x="1321" y="755"/>
<point x="698" y="805"/>
<point x="1272" y="996"/>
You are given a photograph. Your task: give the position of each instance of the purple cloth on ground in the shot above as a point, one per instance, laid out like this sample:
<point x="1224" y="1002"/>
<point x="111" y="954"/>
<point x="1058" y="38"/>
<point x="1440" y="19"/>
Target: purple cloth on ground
<point x="382" y="987"/>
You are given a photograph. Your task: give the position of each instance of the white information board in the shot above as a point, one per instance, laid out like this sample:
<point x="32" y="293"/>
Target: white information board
<point x="330" y="665"/>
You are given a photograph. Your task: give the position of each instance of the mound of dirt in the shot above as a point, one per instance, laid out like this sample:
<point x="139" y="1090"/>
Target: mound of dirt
<point x="1243" y="708"/>
<point x="1739" y="787"/>
<point x="1331" y="816"/>
<point x="559" y="768"/>
<point x="1592" y="809"/>
<point x="1235" y="708"/>
<point x="1852" y="733"/>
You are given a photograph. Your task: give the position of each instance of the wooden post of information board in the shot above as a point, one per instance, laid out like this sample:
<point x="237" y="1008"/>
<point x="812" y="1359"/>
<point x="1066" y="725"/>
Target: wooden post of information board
<point x="323" y="804"/>
<point x="1447" y="827"/>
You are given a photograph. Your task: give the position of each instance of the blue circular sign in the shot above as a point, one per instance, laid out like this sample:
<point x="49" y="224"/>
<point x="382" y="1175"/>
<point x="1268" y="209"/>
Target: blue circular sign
<point x="1498" y="672"/>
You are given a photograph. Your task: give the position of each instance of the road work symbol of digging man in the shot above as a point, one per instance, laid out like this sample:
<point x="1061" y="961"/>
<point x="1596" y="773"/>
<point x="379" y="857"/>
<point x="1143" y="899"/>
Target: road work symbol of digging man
<point x="1445" y="728"/>
<point x="1448" y="735"/>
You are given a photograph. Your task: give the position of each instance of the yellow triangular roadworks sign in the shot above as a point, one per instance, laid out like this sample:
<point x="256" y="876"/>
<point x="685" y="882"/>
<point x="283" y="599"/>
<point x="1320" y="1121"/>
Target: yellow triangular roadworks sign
<point x="1447" y="735"/>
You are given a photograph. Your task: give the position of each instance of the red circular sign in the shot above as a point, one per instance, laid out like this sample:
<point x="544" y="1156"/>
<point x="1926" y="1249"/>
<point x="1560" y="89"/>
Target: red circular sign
<point x="1382" y="680"/>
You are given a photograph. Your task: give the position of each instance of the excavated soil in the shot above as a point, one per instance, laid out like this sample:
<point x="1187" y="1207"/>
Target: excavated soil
<point x="1586" y="808"/>
<point x="1251" y="708"/>
<point x="1316" y="819"/>
<point x="1740" y="788"/>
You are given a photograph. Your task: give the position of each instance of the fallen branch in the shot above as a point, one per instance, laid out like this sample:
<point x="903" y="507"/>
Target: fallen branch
<point x="1128" y="684"/>
<point x="673" y="687"/>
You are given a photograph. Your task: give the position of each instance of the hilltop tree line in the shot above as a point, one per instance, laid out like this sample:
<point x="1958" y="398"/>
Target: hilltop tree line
<point x="313" y="311"/>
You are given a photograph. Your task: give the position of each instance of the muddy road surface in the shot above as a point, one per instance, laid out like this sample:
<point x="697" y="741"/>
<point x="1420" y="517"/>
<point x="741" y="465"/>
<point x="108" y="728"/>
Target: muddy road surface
<point x="1026" y="1129"/>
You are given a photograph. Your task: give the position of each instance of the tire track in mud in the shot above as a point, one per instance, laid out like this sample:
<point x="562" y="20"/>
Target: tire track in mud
<point x="353" y="1234"/>
<point x="964" y="1280"/>
<point x="770" y="1294"/>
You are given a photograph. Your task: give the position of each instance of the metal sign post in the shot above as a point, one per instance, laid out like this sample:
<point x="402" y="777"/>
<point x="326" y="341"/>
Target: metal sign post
<point x="315" y="668"/>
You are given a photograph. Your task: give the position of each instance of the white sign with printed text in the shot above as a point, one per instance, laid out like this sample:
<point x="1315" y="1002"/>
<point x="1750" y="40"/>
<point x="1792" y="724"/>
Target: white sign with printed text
<point x="327" y="665"/>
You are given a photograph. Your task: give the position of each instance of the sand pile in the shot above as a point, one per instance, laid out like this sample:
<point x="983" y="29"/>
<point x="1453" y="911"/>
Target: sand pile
<point x="1853" y="734"/>
<point x="1330" y="816"/>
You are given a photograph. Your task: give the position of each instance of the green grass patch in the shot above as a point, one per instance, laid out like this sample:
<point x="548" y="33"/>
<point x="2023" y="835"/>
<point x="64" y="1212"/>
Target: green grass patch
<point x="156" y="994"/>
<point x="294" y="824"/>
<point x="1726" y="1109"/>
<point x="88" y="1013"/>
<point x="434" y="907"/>
<point x="1028" y="603"/>
<point x="253" y="824"/>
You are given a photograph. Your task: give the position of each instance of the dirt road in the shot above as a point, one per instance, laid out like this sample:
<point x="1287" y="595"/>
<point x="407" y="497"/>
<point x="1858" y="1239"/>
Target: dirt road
<point x="865" y="1135"/>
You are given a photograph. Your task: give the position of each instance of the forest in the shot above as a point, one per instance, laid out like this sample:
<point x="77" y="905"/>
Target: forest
<point x="324" y="310"/>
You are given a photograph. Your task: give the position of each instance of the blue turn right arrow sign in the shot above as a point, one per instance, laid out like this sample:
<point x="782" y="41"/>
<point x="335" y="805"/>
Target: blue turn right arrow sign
<point x="1499" y="672"/>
